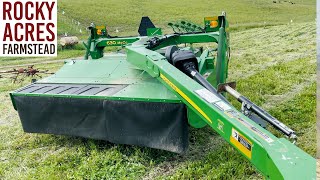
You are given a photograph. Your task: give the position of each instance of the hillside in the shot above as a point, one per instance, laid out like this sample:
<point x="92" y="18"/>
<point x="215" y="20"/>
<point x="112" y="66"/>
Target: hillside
<point x="125" y="15"/>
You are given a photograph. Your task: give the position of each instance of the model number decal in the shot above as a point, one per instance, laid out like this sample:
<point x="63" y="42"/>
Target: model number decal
<point x="110" y="43"/>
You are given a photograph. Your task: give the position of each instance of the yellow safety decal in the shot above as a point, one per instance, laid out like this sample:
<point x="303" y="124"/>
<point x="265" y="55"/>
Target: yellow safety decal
<point x="100" y="27"/>
<point x="242" y="143"/>
<point x="184" y="96"/>
<point x="214" y="18"/>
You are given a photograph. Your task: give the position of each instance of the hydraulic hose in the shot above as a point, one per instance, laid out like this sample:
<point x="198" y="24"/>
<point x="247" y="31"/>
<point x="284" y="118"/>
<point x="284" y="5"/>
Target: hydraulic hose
<point x="261" y="113"/>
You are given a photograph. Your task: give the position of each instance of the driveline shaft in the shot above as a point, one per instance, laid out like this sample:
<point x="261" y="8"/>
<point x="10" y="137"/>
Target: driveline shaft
<point x="190" y="70"/>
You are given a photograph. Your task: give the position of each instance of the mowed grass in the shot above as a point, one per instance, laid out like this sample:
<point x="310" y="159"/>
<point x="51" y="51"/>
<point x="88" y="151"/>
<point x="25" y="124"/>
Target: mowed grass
<point x="276" y="69"/>
<point x="64" y="54"/>
<point x="224" y="162"/>
<point x="125" y="15"/>
<point x="274" y="66"/>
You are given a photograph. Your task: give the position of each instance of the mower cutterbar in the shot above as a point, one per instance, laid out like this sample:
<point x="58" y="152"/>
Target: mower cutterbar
<point x="146" y="98"/>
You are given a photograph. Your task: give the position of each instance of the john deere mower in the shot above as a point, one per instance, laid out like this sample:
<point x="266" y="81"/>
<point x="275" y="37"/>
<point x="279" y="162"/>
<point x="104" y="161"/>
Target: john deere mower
<point x="156" y="90"/>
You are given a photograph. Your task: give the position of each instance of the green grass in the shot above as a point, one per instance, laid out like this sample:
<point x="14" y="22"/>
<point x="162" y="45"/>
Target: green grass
<point x="126" y="15"/>
<point x="255" y="50"/>
<point x="277" y="80"/>
<point x="275" y="70"/>
<point x="273" y="63"/>
<point x="300" y="114"/>
<point x="224" y="162"/>
<point x="65" y="54"/>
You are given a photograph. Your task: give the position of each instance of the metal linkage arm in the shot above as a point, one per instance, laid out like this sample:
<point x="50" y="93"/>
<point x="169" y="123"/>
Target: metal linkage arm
<point x="250" y="106"/>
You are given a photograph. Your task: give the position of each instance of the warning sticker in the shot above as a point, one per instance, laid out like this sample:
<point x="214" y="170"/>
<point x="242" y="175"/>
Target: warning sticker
<point x="222" y="106"/>
<point x="255" y="130"/>
<point x="207" y="95"/>
<point x="242" y="143"/>
<point x="235" y="115"/>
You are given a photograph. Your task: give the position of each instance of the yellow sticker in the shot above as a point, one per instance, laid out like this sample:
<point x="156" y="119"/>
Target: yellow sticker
<point x="214" y="18"/>
<point x="100" y="27"/>
<point x="242" y="143"/>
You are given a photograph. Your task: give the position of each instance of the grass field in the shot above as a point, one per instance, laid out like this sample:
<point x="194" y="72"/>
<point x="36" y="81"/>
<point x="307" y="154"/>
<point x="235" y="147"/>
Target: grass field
<point x="125" y="15"/>
<point x="275" y="66"/>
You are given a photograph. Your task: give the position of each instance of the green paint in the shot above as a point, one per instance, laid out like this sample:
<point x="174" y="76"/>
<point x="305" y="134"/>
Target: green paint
<point x="279" y="159"/>
<point x="148" y="76"/>
<point x="154" y="31"/>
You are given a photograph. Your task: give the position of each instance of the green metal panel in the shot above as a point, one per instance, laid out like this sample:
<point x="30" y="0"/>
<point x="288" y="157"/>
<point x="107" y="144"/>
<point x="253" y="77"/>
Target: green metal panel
<point x="275" y="158"/>
<point x="222" y="61"/>
<point x="154" y="31"/>
<point x="140" y="86"/>
<point x="195" y="120"/>
<point x="148" y="76"/>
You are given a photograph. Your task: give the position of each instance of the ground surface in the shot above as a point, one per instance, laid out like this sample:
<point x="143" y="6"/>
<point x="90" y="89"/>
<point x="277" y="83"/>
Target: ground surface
<point x="124" y="17"/>
<point x="274" y="66"/>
